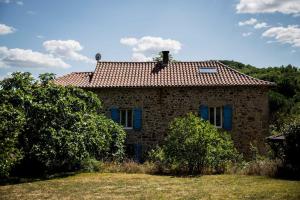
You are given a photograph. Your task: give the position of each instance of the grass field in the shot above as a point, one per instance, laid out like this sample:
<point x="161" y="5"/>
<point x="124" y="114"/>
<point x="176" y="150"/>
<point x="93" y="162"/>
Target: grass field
<point x="142" y="186"/>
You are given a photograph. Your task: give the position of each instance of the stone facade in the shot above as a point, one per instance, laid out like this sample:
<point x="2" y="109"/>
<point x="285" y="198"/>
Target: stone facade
<point x="161" y="105"/>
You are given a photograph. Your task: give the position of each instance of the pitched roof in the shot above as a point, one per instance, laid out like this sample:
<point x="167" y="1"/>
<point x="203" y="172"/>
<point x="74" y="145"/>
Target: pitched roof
<point x="79" y="79"/>
<point x="153" y="74"/>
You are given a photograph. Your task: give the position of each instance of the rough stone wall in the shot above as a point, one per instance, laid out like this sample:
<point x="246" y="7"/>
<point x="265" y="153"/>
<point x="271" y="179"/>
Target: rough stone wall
<point x="161" y="105"/>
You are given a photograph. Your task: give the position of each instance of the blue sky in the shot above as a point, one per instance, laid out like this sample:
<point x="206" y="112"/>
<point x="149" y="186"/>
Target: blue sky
<point x="63" y="36"/>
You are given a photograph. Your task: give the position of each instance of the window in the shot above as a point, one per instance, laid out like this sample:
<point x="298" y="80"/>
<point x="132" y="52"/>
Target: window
<point x="126" y="118"/>
<point x="207" y="69"/>
<point x="215" y="116"/>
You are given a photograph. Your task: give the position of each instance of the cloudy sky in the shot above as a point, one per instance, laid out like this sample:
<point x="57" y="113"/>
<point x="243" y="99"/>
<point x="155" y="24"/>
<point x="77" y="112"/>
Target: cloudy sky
<point x="62" y="36"/>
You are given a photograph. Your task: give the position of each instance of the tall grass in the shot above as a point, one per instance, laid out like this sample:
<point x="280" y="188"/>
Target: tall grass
<point x="259" y="167"/>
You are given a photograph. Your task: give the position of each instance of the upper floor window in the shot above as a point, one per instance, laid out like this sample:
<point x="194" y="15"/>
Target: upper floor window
<point x="126" y="118"/>
<point x="215" y="116"/>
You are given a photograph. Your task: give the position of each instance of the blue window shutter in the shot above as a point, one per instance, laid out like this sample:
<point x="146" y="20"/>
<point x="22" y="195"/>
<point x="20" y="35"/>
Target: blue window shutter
<point x="115" y="115"/>
<point x="138" y="153"/>
<point x="227" y="117"/>
<point x="137" y="119"/>
<point x="203" y="111"/>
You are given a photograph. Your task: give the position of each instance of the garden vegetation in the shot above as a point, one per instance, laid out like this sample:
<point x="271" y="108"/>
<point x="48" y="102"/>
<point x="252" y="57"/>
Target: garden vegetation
<point x="46" y="128"/>
<point x="194" y="145"/>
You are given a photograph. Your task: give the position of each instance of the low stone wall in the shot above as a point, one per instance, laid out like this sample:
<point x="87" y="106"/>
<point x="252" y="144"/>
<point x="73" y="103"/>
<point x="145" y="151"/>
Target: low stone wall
<point x="162" y="105"/>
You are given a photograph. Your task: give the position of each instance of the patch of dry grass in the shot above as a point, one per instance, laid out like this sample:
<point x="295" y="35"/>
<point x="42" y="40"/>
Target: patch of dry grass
<point x="262" y="167"/>
<point x="128" y="167"/>
<point x="143" y="186"/>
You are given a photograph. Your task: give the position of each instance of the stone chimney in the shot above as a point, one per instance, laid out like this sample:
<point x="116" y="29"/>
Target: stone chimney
<point x="165" y="57"/>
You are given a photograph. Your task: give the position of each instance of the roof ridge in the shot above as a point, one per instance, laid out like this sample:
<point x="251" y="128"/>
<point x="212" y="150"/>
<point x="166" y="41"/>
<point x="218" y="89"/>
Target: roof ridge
<point x="196" y="61"/>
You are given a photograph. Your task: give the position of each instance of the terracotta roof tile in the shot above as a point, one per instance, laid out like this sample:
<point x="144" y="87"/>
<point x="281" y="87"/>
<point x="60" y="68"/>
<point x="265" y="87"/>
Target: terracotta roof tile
<point x="153" y="74"/>
<point x="79" y="79"/>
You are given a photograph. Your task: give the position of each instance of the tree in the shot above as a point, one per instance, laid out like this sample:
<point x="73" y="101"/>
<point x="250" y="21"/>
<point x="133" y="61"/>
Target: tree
<point x="58" y="127"/>
<point x="291" y="147"/>
<point x="194" y="144"/>
<point x="11" y="124"/>
<point x="285" y="97"/>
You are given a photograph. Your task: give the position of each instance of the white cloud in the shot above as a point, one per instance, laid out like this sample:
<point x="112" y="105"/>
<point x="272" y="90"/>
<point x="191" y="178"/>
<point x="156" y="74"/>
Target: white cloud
<point x="146" y="47"/>
<point x="251" y="21"/>
<point x="293" y="51"/>
<point x="129" y="41"/>
<point x="269" y="6"/>
<point x="29" y="59"/>
<point x="246" y="34"/>
<point x="67" y="49"/>
<point x="285" y="35"/>
<point x="4" y="29"/>
<point x="139" y="57"/>
<point x="261" y="25"/>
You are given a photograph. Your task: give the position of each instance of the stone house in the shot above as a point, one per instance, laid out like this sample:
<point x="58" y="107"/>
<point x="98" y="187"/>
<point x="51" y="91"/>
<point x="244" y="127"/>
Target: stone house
<point x="145" y="96"/>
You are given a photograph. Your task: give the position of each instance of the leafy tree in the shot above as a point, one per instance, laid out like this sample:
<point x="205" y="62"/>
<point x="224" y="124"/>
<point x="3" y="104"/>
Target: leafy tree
<point x="285" y="97"/>
<point x="11" y="124"/>
<point x="194" y="144"/>
<point x="58" y="127"/>
<point x="291" y="147"/>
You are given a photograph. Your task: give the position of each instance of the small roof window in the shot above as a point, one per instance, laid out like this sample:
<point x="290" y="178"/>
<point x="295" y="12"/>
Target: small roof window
<point x="207" y="69"/>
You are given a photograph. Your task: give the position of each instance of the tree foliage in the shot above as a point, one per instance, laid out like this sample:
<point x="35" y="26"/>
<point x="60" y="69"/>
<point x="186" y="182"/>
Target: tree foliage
<point x="291" y="147"/>
<point x="53" y="128"/>
<point x="285" y="97"/>
<point x="194" y="144"/>
<point x="11" y="125"/>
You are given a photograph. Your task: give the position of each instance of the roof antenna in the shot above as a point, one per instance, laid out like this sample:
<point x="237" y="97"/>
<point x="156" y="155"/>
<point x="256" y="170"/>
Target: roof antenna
<point x="98" y="57"/>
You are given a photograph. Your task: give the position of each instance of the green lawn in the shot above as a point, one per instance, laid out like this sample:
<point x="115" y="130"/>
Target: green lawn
<point x="142" y="186"/>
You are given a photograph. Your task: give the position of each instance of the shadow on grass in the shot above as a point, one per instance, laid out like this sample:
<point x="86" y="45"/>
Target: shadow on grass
<point x="19" y="180"/>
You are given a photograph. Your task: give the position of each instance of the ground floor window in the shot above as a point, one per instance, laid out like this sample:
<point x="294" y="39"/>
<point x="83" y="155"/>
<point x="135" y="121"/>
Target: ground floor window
<point x="126" y="118"/>
<point x="215" y="116"/>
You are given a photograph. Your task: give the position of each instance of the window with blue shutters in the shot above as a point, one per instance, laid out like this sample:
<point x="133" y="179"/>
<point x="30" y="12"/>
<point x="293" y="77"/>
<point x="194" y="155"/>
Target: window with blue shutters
<point x="220" y="117"/>
<point x="122" y="116"/>
<point x="215" y="116"/>
<point x="126" y="118"/>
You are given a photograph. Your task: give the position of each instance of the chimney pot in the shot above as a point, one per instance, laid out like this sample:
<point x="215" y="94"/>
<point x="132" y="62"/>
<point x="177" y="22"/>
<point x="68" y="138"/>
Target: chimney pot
<point x="165" y="57"/>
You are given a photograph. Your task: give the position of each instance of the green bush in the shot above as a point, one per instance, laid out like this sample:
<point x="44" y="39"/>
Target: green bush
<point x="61" y="127"/>
<point x="91" y="165"/>
<point x="11" y="125"/>
<point x="193" y="144"/>
<point x="291" y="148"/>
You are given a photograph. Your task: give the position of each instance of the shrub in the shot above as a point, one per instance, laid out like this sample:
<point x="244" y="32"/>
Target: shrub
<point x="258" y="167"/>
<point x="11" y="124"/>
<point x="291" y="147"/>
<point x="91" y="165"/>
<point x="62" y="126"/>
<point x="193" y="144"/>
